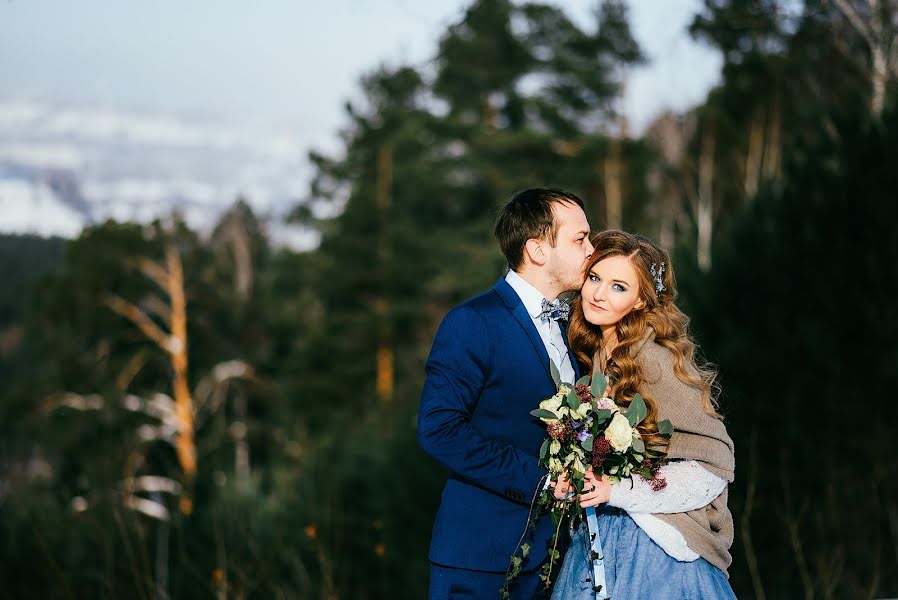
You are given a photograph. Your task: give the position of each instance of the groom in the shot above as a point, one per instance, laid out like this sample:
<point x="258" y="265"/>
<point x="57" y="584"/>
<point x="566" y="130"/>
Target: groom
<point x="488" y="368"/>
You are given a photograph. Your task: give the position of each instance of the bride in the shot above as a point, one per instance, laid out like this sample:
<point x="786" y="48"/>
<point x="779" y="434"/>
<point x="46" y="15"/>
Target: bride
<point x="669" y="537"/>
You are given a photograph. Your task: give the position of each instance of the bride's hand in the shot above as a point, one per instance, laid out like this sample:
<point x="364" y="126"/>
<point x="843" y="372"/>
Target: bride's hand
<point x="595" y="490"/>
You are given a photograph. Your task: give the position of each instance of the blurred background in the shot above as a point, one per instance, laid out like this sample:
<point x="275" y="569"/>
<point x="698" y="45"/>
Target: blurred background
<point x="228" y="234"/>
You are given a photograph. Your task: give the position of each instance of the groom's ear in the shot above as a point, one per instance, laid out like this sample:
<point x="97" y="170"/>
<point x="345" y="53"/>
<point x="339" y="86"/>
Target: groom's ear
<point x="535" y="251"/>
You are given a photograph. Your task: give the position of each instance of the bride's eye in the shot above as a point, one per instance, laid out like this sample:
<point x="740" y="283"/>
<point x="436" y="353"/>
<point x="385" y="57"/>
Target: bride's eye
<point x="593" y="278"/>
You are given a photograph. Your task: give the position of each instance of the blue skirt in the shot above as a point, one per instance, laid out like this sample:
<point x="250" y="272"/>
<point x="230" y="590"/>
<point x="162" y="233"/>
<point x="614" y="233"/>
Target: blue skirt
<point x="635" y="566"/>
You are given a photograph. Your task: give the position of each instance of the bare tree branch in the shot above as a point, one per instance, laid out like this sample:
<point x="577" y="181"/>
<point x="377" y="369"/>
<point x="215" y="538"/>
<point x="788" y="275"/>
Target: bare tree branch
<point x="135" y="364"/>
<point x="155" y="272"/>
<point x="146" y="325"/>
<point x="856" y="21"/>
<point x="147" y="507"/>
<point x="74" y="401"/>
<point x="159" y="308"/>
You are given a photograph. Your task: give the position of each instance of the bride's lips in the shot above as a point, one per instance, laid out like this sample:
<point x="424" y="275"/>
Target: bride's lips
<point x="595" y="306"/>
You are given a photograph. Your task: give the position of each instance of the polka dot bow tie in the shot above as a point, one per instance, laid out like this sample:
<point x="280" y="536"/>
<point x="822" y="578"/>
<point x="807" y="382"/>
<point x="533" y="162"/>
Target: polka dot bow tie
<point x="554" y="310"/>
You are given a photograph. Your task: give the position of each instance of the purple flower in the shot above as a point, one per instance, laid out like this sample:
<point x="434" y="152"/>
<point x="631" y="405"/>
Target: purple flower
<point x="582" y="435"/>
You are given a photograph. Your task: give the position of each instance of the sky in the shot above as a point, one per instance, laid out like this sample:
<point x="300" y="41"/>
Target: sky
<point x="288" y="63"/>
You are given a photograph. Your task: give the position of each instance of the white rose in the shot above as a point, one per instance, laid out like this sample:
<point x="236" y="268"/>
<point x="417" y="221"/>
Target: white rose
<point x="550" y="405"/>
<point x="619" y="432"/>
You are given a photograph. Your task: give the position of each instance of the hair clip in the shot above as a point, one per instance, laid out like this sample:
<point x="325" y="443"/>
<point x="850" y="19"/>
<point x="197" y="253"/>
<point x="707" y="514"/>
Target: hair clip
<point x="656" y="275"/>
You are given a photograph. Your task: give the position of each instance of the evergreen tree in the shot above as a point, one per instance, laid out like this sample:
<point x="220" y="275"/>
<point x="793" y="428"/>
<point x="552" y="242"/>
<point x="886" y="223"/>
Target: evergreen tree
<point x="797" y="314"/>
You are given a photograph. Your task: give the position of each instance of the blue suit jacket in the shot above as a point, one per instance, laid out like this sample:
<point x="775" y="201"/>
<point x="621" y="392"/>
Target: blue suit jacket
<point x="487" y="370"/>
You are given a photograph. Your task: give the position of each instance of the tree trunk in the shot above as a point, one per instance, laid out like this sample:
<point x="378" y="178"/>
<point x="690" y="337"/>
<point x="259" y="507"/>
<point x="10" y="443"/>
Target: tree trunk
<point x="705" y="209"/>
<point x="384" y="356"/>
<point x="613" y="196"/>
<point x="754" y="154"/>
<point x="174" y="343"/>
<point x="879" y="35"/>
<point x="668" y="214"/>
<point x="879" y="77"/>
<point x="243" y="260"/>
<point x="162" y="534"/>
<point x="773" y="149"/>
<point x="241" y="446"/>
<point x="185" y="447"/>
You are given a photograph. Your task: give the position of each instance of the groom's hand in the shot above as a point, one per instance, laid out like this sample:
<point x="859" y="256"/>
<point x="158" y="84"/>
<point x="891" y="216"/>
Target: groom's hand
<point x="562" y="487"/>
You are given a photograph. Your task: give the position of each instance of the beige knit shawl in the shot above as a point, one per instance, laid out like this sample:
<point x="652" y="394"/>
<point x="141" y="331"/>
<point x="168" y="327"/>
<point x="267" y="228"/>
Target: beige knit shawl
<point x="697" y="436"/>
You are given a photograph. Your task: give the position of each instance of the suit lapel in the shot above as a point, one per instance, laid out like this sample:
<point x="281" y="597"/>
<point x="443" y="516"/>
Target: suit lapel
<point x="514" y="304"/>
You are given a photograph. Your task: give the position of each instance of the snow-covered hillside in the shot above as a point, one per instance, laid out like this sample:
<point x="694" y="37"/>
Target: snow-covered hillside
<point x="27" y="207"/>
<point x="64" y="167"/>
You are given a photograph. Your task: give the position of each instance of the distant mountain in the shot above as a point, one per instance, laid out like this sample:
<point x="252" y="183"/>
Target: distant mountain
<point x="63" y="168"/>
<point x="34" y="207"/>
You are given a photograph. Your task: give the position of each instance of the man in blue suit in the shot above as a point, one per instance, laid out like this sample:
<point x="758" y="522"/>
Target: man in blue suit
<point x="488" y="368"/>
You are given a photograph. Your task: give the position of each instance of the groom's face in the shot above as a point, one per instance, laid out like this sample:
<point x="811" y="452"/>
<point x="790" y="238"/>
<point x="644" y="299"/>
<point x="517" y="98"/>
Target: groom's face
<point x="567" y="258"/>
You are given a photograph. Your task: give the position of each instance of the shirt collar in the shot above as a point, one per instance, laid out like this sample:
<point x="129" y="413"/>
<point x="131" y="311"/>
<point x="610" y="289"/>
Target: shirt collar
<point x="529" y="295"/>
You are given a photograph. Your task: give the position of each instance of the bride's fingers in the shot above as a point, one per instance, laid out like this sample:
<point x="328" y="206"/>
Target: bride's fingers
<point x="591" y="499"/>
<point x="595" y="492"/>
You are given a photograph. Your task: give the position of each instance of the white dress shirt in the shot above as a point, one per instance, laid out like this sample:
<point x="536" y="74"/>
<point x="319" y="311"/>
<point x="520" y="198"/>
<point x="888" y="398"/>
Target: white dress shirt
<point x="549" y="332"/>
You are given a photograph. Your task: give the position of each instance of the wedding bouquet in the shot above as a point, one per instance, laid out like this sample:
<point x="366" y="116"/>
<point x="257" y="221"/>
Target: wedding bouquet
<point x="586" y="429"/>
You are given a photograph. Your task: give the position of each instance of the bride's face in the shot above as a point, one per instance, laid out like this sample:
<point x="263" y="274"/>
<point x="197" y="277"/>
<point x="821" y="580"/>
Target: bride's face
<point x="611" y="291"/>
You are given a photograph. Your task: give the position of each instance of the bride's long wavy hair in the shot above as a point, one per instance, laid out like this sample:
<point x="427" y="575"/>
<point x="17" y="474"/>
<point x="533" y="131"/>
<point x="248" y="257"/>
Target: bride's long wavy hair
<point x="660" y="313"/>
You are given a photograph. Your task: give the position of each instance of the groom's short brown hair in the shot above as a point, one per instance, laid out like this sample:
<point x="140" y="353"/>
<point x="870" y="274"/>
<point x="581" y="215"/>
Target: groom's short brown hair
<point x="529" y="215"/>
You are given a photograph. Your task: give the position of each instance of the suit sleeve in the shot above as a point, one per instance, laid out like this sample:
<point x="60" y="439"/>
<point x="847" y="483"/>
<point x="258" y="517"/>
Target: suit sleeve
<point x="456" y="373"/>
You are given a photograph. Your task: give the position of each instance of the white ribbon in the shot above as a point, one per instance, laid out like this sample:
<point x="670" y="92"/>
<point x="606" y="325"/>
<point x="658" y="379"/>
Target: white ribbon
<point x="598" y="563"/>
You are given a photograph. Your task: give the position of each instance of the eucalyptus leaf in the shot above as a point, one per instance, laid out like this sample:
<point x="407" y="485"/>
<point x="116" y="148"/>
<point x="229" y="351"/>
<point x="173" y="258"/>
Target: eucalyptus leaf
<point x="542" y="413"/>
<point x="556" y="376"/>
<point x="572" y="400"/>
<point x="583" y="380"/>
<point x="636" y="411"/>
<point x="665" y="429"/>
<point x="602" y="415"/>
<point x="599" y="385"/>
<point x="544" y="449"/>
<point x="587" y="444"/>
<point x="638" y="445"/>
